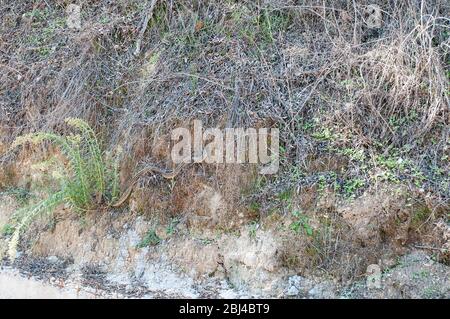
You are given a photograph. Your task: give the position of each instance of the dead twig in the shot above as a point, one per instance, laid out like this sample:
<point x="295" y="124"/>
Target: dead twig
<point x="144" y="26"/>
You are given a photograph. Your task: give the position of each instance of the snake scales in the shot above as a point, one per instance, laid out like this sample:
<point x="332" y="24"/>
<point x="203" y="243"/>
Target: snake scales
<point x="164" y="173"/>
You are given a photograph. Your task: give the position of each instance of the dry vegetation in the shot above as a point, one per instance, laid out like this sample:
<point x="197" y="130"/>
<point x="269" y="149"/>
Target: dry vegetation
<point x="361" y="98"/>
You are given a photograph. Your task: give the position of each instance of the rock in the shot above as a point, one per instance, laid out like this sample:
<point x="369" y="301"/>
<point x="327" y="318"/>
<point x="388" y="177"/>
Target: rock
<point x="296" y="281"/>
<point x="323" y="290"/>
<point x="388" y="261"/>
<point x="292" y="291"/>
<point x="129" y="288"/>
<point x="254" y="262"/>
<point x="373" y="277"/>
<point x="374" y="18"/>
<point x="299" y="284"/>
<point x="53" y="259"/>
<point x="73" y="20"/>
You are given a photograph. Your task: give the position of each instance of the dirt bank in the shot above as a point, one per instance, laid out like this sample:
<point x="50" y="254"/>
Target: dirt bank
<point x="91" y="195"/>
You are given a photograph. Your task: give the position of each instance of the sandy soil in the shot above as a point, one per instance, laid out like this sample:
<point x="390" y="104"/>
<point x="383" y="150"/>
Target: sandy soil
<point x="16" y="286"/>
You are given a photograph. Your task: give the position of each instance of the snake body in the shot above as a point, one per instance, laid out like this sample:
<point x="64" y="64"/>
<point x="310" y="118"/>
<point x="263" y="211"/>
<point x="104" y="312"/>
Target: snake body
<point x="164" y="173"/>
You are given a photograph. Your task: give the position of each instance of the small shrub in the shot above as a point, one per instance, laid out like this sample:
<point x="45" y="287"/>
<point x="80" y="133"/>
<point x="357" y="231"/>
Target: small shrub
<point x="82" y="182"/>
<point x="352" y="186"/>
<point x="254" y="225"/>
<point x="172" y="226"/>
<point x="150" y="239"/>
<point x="7" y="230"/>
<point x="301" y="223"/>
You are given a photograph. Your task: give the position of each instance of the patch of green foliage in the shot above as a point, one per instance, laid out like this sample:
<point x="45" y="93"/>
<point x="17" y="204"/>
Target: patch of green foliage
<point x="351" y="186"/>
<point x="323" y="134"/>
<point x="85" y="182"/>
<point x="150" y="239"/>
<point x="171" y="227"/>
<point x="253" y="228"/>
<point x="42" y="35"/>
<point x="285" y="197"/>
<point x="353" y="154"/>
<point x="254" y="207"/>
<point x="7" y="230"/>
<point x="301" y="223"/>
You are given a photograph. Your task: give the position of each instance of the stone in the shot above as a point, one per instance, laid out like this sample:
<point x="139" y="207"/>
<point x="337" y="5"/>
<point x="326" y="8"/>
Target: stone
<point x="73" y="19"/>
<point x="373" y="277"/>
<point x="301" y="284"/>
<point x="324" y="290"/>
<point x="374" y="18"/>
<point x="53" y="259"/>
<point x="292" y="291"/>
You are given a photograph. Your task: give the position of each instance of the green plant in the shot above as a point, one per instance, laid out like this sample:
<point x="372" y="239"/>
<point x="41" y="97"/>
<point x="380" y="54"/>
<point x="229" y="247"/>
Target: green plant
<point x="82" y="182"/>
<point x="307" y="125"/>
<point x="301" y="222"/>
<point x="322" y="184"/>
<point x="254" y="207"/>
<point x="324" y="134"/>
<point x="206" y="241"/>
<point x="37" y="15"/>
<point x="353" y="154"/>
<point x="150" y="239"/>
<point x="296" y="173"/>
<point x="171" y="227"/>
<point x="351" y="186"/>
<point x="423" y="274"/>
<point x="104" y="20"/>
<point x="388" y="162"/>
<point x="254" y="225"/>
<point x="285" y="197"/>
<point x="272" y="22"/>
<point x="7" y="230"/>
<point x="41" y="40"/>
<point x="418" y="177"/>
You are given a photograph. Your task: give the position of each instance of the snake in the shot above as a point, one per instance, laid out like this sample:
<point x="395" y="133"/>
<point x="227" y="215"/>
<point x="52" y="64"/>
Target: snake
<point x="148" y="169"/>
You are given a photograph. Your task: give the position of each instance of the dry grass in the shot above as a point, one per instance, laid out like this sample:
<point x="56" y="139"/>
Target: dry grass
<point x="334" y="85"/>
<point x="331" y="249"/>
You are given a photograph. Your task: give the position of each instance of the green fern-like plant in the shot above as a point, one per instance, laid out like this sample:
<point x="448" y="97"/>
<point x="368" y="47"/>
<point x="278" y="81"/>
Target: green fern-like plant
<point x="83" y="182"/>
